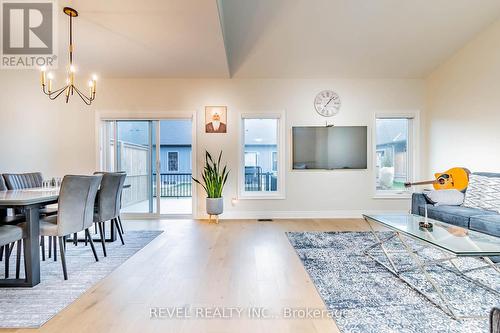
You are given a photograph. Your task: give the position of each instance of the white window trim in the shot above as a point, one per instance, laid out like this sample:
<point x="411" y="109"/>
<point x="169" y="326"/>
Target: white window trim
<point x="413" y="156"/>
<point x="168" y="160"/>
<point x="272" y="161"/>
<point x="280" y="193"/>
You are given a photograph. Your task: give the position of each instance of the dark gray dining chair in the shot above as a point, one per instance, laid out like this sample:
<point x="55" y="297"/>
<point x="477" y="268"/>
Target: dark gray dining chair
<point x="21" y="181"/>
<point x="76" y="210"/>
<point x="18" y="181"/>
<point x="9" y="235"/>
<point x="108" y="203"/>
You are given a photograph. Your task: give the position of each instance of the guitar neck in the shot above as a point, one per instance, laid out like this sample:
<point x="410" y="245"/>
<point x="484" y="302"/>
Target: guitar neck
<point x="424" y="183"/>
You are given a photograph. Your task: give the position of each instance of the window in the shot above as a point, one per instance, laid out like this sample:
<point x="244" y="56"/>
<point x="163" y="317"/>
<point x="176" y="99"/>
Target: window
<point x="393" y="154"/>
<point x="261" y="169"/>
<point x="274" y="160"/>
<point x="173" y="161"/>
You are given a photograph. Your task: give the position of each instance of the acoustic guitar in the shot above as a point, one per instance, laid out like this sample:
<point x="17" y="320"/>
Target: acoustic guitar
<point x="454" y="178"/>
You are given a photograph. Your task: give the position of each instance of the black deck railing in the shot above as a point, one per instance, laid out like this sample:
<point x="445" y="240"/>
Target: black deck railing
<point x="179" y="185"/>
<point x="174" y="185"/>
<point x="261" y="181"/>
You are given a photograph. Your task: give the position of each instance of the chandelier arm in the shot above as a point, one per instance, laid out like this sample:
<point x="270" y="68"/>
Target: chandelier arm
<point x="59" y="92"/>
<point x="85" y="99"/>
<point x="52" y="92"/>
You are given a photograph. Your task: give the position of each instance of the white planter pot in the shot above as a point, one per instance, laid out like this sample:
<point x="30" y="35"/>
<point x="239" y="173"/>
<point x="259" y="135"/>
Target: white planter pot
<point x="215" y="206"/>
<point x="386" y="177"/>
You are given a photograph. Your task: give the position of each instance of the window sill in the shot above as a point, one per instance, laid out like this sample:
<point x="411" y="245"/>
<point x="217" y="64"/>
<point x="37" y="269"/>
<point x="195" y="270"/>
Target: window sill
<point x="392" y="195"/>
<point x="261" y="197"/>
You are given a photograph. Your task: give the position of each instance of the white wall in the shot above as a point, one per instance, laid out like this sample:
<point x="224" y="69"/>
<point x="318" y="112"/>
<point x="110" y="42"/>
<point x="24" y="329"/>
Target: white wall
<point x="57" y="138"/>
<point x="463" y="116"/>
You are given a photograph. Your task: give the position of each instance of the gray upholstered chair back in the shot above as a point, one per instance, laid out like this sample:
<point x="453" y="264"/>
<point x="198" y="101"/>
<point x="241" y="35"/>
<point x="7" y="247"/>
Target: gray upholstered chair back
<point x="109" y="197"/>
<point x="76" y="203"/>
<point x="19" y="181"/>
<point x="3" y="187"/>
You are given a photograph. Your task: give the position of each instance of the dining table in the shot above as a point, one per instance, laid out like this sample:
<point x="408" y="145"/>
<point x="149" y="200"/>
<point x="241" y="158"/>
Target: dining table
<point x="28" y="201"/>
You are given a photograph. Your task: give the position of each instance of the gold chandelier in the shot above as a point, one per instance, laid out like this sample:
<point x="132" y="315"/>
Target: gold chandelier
<point x="69" y="89"/>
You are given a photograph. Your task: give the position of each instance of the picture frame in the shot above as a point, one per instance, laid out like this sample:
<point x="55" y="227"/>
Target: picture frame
<point x="215" y="119"/>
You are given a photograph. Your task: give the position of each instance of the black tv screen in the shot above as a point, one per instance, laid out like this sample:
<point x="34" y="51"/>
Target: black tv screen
<point x="329" y="148"/>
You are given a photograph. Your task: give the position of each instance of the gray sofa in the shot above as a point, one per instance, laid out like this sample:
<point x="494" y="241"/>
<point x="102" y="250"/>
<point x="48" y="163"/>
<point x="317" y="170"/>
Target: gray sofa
<point x="480" y="220"/>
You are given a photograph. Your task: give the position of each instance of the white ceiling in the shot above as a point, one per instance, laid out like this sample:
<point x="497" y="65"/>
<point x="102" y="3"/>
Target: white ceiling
<point x="349" y="38"/>
<point x="271" y="38"/>
<point x="147" y="38"/>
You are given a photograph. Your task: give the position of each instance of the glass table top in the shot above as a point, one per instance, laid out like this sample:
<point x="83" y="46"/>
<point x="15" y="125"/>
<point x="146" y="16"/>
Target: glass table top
<point x="457" y="240"/>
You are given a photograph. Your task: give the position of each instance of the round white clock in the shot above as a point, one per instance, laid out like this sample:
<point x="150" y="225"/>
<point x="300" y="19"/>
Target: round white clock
<point x="327" y="103"/>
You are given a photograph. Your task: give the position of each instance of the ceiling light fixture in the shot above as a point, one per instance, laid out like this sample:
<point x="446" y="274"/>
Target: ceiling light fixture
<point x="69" y="89"/>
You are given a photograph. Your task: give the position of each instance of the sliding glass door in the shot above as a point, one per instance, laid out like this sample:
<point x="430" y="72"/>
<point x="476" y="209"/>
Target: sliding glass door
<point x="156" y="155"/>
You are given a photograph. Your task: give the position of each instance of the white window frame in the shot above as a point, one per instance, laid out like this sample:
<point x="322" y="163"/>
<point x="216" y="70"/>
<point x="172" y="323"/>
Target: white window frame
<point x="280" y="193"/>
<point x="412" y="151"/>
<point x="168" y="160"/>
<point x="272" y="161"/>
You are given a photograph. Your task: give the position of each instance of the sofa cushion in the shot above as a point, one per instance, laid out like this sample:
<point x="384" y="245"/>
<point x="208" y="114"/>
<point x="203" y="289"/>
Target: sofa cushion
<point x="445" y="197"/>
<point x="489" y="224"/>
<point x="483" y="192"/>
<point x="456" y="215"/>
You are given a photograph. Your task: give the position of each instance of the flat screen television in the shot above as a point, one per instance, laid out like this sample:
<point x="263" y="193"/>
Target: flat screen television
<point x="329" y="148"/>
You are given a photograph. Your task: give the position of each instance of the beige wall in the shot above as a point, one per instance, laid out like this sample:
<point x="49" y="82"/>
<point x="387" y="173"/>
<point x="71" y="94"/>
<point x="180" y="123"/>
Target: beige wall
<point x="463" y="119"/>
<point x="57" y="138"/>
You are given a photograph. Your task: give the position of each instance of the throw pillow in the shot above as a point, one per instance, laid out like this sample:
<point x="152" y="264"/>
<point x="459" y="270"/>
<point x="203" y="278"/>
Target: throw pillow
<point x="445" y="197"/>
<point x="483" y="193"/>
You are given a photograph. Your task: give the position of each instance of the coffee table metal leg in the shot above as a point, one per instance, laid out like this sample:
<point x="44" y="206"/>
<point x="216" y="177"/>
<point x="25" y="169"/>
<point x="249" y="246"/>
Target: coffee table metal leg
<point x="447" y="308"/>
<point x="381" y="246"/>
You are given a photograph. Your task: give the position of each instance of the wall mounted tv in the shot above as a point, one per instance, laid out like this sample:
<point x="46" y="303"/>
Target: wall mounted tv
<point x="329" y="148"/>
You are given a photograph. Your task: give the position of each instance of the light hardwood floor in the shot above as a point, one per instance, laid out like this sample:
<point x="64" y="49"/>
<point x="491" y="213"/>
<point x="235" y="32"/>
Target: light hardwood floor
<point x="237" y="263"/>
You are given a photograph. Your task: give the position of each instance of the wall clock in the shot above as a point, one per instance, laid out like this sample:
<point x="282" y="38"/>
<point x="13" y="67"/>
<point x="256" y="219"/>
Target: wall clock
<point x="327" y="103"/>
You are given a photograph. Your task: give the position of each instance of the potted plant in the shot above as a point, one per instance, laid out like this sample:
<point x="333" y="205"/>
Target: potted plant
<point x="213" y="180"/>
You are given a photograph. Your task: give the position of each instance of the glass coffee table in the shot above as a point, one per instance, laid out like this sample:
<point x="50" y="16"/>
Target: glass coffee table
<point x="454" y="241"/>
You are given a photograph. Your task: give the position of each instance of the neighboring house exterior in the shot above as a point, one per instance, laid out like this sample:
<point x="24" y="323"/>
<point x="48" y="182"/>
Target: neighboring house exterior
<point x="391" y="149"/>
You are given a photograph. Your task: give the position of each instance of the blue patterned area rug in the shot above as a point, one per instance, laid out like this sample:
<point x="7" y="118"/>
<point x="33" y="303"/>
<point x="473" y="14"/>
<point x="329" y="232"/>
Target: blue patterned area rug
<point x="32" y="307"/>
<point x="363" y="296"/>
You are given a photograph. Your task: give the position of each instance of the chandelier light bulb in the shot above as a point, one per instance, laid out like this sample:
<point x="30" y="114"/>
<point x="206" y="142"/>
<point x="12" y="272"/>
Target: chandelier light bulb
<point x="94" y="77"/>
<point x="50" y="76"/>
<point x="43" y="68"/>
<point x="72" y="69"/>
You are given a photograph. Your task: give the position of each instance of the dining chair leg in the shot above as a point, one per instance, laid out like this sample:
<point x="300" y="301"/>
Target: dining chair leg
<point x="63" y="256"/>
<point x="95" y="229"/>
<point x="7" y="255"/>
<point x="42" y="244"/>
<point x="87" y="236"/>
<point x="115" y="221"/>
<point x="18" y="257"/>
<point x="64" y="240"/>
<point x="1" y="253"/>
<point x="50" y="247"/>
<point x="8" y="250"/>
<point x="121" y="225"/>
<point x="54" y="242"/>
<point x="103" y="240"/>
<point x="75" y="239"/>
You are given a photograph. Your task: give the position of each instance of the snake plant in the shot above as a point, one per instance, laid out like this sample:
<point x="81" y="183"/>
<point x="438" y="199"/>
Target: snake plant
<point x="213" y="177"/>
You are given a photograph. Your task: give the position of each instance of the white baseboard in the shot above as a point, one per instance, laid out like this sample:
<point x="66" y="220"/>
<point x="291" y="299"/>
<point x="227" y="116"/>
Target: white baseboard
<point x="240" y="215"/>
<point x="253" y="215"/>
